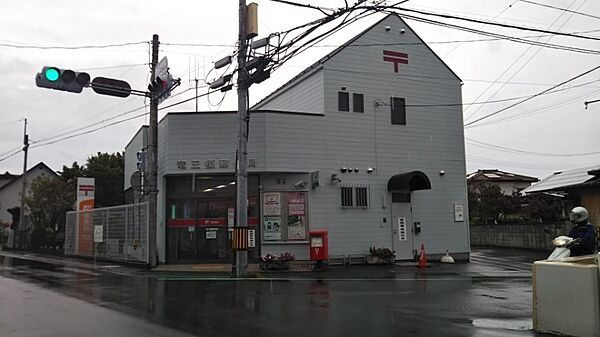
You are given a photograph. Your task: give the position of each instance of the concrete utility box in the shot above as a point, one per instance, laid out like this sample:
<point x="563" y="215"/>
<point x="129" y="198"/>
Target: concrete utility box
<point x="566" y="296"/>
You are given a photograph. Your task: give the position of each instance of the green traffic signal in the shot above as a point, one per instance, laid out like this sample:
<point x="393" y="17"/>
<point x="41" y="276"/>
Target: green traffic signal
<point x="62" y="79"/>
<point x="52" y="74"/>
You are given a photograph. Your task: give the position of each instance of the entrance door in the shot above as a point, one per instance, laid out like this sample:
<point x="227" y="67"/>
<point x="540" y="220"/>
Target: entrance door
<point x="181" y="231"/>
<point x="402" y="229"/>
<point x="213" y="235"/>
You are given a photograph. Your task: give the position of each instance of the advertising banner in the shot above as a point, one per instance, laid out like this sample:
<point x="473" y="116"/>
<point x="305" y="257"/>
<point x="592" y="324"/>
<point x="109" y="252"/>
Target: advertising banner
<point x="85" y="226"/>
<point x="296" y="216"/>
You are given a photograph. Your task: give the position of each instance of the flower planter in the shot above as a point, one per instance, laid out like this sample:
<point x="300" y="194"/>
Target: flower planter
<point x="274" y="265"/>
<point x="380" y="260"/>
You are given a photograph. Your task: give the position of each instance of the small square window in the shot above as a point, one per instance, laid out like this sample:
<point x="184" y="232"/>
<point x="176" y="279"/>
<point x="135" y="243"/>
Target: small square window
<point x="398" y="107"/>
<point x="343" y="101"/>
<point x="358" y="103"/>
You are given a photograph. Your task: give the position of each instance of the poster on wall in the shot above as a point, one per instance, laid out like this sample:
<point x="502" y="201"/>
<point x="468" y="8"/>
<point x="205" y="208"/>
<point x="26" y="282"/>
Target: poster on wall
<point x="296" y="209"/>
<point x="296" y="227"/>
<point x="296" y="198"/>
<point x="296" y="216"/>
<point x="272" y="227"/>
<point x="271" y="204"/>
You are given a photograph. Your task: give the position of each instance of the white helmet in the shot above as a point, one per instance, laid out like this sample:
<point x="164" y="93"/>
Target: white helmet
<point x="578" y="214"/>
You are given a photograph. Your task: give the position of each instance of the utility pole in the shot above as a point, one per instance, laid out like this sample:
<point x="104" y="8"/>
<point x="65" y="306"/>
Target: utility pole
<point x="22" y="224"/>
<point x="195" y="79"/>
<point x="151" y="196"/>
<point x="241" y="265"/>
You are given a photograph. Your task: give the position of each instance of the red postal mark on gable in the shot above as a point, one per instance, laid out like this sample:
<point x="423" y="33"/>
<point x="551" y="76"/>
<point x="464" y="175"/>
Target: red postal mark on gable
<point x="395" y="57"/>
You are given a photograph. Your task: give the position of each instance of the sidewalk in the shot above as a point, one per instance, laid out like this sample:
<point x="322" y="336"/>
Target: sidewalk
<point x="496" y="262"/>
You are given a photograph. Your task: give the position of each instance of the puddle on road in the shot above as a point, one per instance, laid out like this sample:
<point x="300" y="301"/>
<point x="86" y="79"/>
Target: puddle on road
<point x="506" y="324"/>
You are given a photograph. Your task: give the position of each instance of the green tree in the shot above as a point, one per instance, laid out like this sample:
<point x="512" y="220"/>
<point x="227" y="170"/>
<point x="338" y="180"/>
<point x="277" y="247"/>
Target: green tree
<point x="48" y="202"/>
<point x="108" y="172"/>
<point x="487" y="203"/>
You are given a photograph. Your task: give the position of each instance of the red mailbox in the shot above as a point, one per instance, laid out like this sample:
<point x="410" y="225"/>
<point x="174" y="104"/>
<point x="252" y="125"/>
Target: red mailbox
<point x="319" y="247"/>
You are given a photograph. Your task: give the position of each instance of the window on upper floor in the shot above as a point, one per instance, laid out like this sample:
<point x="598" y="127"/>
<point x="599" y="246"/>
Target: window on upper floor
<point x="343" y="101"/>
<point x="398" y="109"/>
<point x="358" y="103"/>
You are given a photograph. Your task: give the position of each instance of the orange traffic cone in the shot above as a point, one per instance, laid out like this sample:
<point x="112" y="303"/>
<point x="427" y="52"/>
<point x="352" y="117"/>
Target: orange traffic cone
<point x="422" y="258"/>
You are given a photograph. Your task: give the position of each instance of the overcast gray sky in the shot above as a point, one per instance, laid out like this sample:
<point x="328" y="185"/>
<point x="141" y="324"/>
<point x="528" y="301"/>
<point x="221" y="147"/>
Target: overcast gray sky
<point x="194" y="34"/>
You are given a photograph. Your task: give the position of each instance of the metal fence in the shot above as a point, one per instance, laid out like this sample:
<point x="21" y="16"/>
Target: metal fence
<point x="117" y="233"/>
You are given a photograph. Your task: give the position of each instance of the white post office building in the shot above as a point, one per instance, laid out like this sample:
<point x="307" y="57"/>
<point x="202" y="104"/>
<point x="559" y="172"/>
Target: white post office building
<point x="367" y="143"/>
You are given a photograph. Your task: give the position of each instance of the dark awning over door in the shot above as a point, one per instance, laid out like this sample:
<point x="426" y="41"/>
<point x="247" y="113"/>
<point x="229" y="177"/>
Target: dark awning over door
<point x="409" y="181"/>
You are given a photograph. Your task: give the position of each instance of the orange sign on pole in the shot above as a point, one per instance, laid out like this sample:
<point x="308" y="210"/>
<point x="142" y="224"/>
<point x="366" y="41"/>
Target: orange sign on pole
<point x="85" y="226"/>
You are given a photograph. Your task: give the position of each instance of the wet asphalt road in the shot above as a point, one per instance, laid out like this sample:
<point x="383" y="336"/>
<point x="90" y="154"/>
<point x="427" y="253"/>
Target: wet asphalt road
<point x="489" y="297"/>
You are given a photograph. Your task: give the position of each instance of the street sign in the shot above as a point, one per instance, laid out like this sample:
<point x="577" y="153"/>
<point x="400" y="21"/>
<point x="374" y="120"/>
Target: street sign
<point x="162" y="68"/>
<point x="111" y="87"/>
<point x="98" y="233"/>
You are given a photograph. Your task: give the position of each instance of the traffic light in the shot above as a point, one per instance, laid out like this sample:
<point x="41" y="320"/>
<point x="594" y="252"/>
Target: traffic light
<point x="161" y="86"/>
<point x="62" y="79"/>
<point x="141" y="161"/>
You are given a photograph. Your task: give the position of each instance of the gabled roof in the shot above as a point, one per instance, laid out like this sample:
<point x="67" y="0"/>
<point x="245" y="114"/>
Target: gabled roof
<point x="566" y="180"/>
<point x="495" y="175"/>
<point x="319" y="64"/>
<point x="38" y="165"/>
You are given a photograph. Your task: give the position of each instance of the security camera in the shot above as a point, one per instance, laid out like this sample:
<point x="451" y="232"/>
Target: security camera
<point x="370" y="170"/>
<point x="402" y="31"/>
<point x="388" y="28"/>
<point x="343" y="169"/>
<point x="300" y="184"/>
<point x="335" y="179"/>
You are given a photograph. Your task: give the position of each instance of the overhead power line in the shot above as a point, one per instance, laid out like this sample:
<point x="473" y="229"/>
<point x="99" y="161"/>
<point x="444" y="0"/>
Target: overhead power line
<point x="115" y="66"/>
<point x="524" y="152"/>
<point x="493" y="23"/>
<point x="69" y="135"/>
<point x="501" y="36"/>
<point x="523" y="65"/>
<point x="561" y="9"/>
<point x="26" y="46"/>
<point x="88" y="131"/>
<point x="10" y="155"/>
<point x="531" y="97"/>
<point x="196" y="44"/>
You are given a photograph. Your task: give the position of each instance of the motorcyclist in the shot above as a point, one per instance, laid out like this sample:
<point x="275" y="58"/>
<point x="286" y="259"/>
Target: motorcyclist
<point x="583" y="233"/>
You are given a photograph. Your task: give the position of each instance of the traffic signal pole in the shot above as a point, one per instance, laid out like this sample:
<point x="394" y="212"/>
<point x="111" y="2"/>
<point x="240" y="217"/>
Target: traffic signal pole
<point x="241" y="265"/>
<point x="151" y="196"/>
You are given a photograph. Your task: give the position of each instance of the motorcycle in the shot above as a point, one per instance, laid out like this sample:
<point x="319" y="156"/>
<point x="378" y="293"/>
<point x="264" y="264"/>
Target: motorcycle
<point x="562" y="247"/>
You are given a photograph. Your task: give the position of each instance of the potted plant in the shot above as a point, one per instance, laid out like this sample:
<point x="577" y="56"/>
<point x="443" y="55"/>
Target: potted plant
<point x="381" y="256"/>
<point x="274" y="262"/>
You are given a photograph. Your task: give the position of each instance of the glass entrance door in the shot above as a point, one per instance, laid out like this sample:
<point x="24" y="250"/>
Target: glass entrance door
<point x="182" y="231"/>
<point x="213" y="234"/>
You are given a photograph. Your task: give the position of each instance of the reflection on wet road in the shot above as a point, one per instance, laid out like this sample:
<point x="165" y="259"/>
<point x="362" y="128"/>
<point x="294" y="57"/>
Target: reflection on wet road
<point x="492" y="298"/>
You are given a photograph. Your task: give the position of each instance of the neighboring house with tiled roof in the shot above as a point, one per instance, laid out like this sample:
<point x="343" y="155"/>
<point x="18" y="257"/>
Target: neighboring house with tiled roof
<point x="11" y="186"/>
<point x="580" y="186"/>
<point x="7" y="178"/>
<point x="509" y="182"/>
